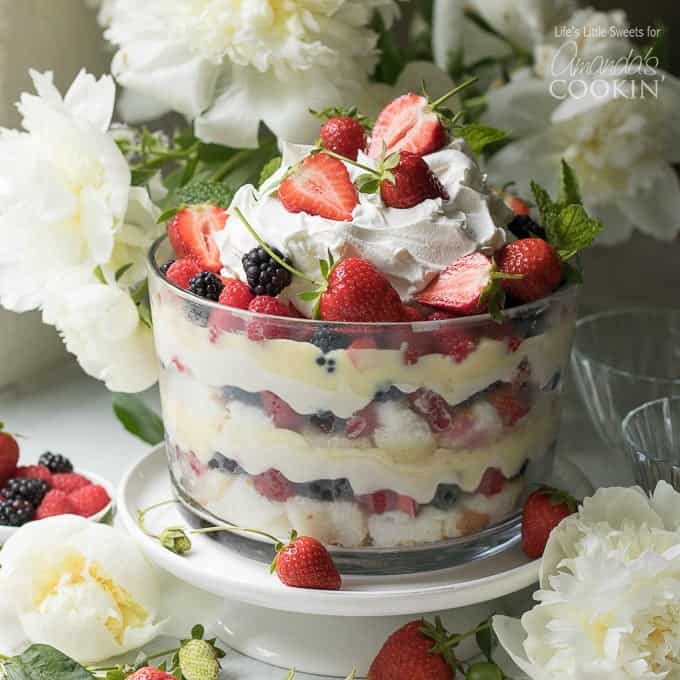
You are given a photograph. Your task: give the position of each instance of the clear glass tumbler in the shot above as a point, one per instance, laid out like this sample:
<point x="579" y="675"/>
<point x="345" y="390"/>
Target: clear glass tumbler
<point x="402" y="446"/>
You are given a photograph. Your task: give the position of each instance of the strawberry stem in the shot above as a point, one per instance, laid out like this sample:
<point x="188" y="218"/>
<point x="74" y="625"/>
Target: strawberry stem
<point x="361" y="166"/>
<point x="272" y="254"/>
<point x="438" y="102"/>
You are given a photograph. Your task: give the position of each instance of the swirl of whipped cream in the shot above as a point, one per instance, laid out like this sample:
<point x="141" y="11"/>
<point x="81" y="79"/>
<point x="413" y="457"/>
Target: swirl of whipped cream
<point x="410" y="246"/>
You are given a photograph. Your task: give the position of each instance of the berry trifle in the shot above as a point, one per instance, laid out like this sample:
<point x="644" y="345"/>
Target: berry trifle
<point x="367" y="348"/>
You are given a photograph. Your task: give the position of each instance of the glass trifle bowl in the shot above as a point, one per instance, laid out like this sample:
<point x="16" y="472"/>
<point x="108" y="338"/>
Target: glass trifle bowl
<point x="369" y="437"/>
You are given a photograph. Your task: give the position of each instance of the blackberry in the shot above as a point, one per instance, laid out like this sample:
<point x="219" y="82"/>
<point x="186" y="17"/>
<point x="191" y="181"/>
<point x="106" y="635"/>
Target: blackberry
<point x="207" y="285"/>
<point x="55" y="462"/>
<point x="522" y="226"/>
<point x="224" y="464"/>
<point x="20" y="488"/>
<point x="447" y="496"/>
<point x="324" y="420"/>
<point x="165" y="266"/>
<point x="16" y="513"/>
<point x="264" y="274"/>
<point x="327" y="340"/>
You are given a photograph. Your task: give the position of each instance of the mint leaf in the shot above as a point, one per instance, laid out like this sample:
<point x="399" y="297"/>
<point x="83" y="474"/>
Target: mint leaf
<point x="571" y="273"/>
<point x="547" y="208"/>
<point x="573" y="231"/>
<point x="137" y="418"/>
<point x="269" y="169"/>
<point x="570" y="192"/>
<point x="42" y="662"/>
<point x="478" y="137"/>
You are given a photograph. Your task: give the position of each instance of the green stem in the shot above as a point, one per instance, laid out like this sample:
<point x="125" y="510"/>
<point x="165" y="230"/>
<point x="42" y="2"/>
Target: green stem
<point x="230" y="164"/>
<point x="141" y="514"/>
<point x="365" y="168"/>
<point x="438" y="102"/>
<point x="272" y="254"/>
<point x="213" y="530"/>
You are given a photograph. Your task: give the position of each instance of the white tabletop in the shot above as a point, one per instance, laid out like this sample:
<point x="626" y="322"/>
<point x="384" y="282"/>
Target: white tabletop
<point x="66" y="412"/>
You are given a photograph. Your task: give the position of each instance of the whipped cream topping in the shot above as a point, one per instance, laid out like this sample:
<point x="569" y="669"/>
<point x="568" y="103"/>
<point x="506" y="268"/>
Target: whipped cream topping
<point x="410" y="246"/>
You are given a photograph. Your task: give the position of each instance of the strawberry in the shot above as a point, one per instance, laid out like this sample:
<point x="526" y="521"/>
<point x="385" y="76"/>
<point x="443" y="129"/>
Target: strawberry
<point x="149" y="673"/>
<point x="54" y="503"/>
<point x="9" y="456"/>
<point x="380" y="502"/>
<point x="35" y="472"/>
<point x="305" y="563"/>
<point x="181" y="272"/>
<point x="462" y="287"/>
<point x="198" y="660"/>
<point x="89" y="500"/>
<point x="407" y="124"/>
<point x="362" y="423"/>
<point x="543" y="511"/>
<point x="416" y="651"/>
<point x="235" y="294"/>
<point x="412" y="182"/>
<point x="456" y="343"/>
<point x="356" y="354"/>
<point x="411" y="314"/>
<point x="273" y="486"/>
<point x="357" y="291"/>
<point x="190" y="232"/>
<point x="433" y="408"/>
<point x="510" y="403"/>
<point x="504" y="332"/>
<point x="344" y="135"/>
<point x="68" y="482"/>
<point x="518" y="205"/>
<point x="321" y="186"/>
<point x="281" y="414"/>
<point x="492" y="482"/>
<point x="260" y="329"/>
<point x="536" y="261"/>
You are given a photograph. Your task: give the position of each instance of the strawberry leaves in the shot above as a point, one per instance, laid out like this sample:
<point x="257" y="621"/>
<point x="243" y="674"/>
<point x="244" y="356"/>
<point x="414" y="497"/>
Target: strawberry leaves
<point x="479" y="137"/>
<point x="568" y="226"/>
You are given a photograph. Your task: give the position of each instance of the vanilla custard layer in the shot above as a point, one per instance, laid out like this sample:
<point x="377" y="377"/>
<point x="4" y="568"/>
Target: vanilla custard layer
<point x="289" y="368"/>
<point x="197" y="422"/>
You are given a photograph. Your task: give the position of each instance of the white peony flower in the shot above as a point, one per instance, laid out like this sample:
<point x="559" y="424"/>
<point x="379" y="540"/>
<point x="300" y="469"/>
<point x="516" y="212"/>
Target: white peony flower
<point x="63" y="190"/>
<point x="615" y="122"/>
<point x="230" y="65"/>
<point x="81" y="587"/>
<point x="609" y="604"/>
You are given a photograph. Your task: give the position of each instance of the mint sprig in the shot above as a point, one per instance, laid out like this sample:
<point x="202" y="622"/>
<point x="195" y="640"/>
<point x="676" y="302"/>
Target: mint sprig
<point x="479" y="137"/>
<point x="569" y="228"/>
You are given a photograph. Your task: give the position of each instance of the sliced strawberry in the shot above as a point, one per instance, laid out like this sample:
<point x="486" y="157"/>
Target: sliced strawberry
<point x="356" y="353"/>
<point x="362" y="423"/>
<point x="433" y="408"/>
<point x="407" y="124"/>
<point x="456" y="343"/>
<point x="280" y="412"/>
<point x="411" y="313"/>
<point x="380" y="502"/>
<point x="273" y="486"/>
<point x="460" y="287"/>
<point x="462" y="430"/>
<point x="510" y="404"/>
<point x="190" y="232"/>
<point x="321" y="186"/>
<point x="492" y="482"/>
<point x="504" y="332"/>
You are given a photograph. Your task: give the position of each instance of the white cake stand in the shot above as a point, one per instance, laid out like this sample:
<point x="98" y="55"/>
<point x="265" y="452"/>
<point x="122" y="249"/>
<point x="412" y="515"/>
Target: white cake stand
<point x="319" y="632"/>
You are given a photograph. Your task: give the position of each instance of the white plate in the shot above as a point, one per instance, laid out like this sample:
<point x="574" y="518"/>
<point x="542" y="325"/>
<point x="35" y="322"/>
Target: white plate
<point x="6" y="532"/>
<point x="219" y="570"/>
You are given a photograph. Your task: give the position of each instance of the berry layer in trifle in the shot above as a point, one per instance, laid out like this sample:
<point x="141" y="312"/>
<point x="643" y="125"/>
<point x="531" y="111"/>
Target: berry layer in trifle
<point x="369" y="346"/>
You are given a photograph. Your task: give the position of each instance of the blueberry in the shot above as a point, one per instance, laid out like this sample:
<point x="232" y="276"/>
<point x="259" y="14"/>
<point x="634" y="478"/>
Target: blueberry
<point x="224" y="464"/>
<point x="324" y="420"/>
<point x="197" y="314"/>
<point x="327" y="490"/>
<point x="447" y="496"/>
<point x="237" y="394"/>
<point x="342" y="490"/>
<point x="388" y="394"/>
<point x="328" y="340"/>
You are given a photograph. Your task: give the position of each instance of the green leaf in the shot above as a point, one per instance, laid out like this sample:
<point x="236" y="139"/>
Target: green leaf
<point x="197" y="632"/>
<point x="269" y="169"/>
<point x="391" y="161"/>
<point x="479" y="137"/>
<point x="572" y="274"/>
<point x="570" y="192"/>
<point x="169" y="214"/>
<point x="573" y="231"/>
<point x="42" y="662"/>
<point x="546" y="206"/>
<point x="141" y="176"/>
<point x="189" y="170"/>
<point x="486" y="641"/>
<point x="137" y="418"/>
<point x="324" y="268"/>
<point x="108" y="517"/>
<point x="121" y="272"/>
<point x="290" y="675"/>
<point x="309" y="296"/>
<point x="368" y="184"/>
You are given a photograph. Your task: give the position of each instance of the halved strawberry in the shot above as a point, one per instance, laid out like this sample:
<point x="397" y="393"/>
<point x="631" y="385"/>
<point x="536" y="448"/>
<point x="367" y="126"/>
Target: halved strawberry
<point x="492" y="482"/>
<point x="356" y="354"/>
<point x="190" y="232"/>
<point x="456" y="343"/>
<point x="461" y="287"/>
<point x="510" y="404"/>
<point x="407" y="124"/>
<point x="273" y="486"/>
<point x="362" y="423"/>
<point x="280" y="412"/>
<point x="380" y="502"/>
<point x="321" y="186"/>
<point x="433" y="408"/>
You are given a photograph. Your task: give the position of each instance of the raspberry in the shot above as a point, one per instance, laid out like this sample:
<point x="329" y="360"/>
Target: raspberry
<point x="181" y="272"/>
<point x="68" y="482"/>
<point x="89" y="500"/>
<point x="35" y="472"/>
<point x="235" y="294"/>
<point x="262" y="329"/>
<point x="55" y="503"/>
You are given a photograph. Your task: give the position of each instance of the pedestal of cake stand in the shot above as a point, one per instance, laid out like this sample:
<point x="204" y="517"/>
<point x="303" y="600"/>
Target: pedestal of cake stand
<point x="319" y="632"/>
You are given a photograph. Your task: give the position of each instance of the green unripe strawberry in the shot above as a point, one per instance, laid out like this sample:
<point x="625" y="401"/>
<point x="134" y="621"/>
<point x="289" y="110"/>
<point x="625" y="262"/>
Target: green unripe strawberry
<point x="198" y="661"/>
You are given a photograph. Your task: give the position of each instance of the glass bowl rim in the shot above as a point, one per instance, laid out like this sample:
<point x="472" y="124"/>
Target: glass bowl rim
<point x="567" y="291"/>
<point x="619" y="311"/>
<point x="632" y="414"/>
